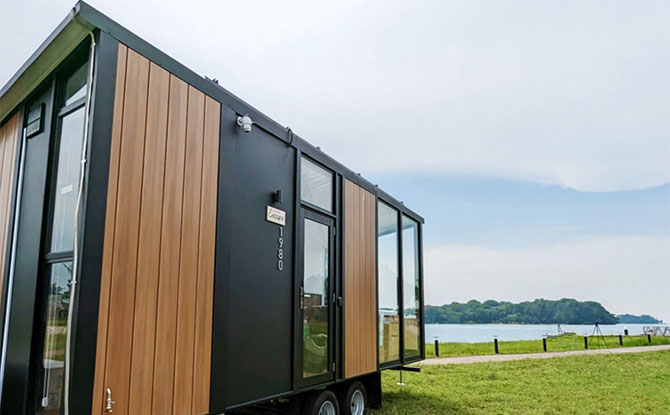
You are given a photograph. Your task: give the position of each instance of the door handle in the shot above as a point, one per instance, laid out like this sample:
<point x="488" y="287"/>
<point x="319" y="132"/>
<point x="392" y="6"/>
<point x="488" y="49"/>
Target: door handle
<point x="110" y="403"/>
<point x="302" y="298"/>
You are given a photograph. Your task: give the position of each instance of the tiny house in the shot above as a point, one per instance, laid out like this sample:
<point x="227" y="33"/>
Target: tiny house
<point x="169" y="249"/>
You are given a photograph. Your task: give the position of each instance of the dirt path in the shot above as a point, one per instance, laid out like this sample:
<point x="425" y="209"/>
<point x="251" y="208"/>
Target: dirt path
<point x="508" y="357"/>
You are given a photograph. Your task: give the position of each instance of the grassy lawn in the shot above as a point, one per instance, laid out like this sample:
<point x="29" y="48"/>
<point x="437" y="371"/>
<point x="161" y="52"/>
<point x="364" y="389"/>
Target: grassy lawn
<point x="559" y="344"/>
<point x="596" y="384"/>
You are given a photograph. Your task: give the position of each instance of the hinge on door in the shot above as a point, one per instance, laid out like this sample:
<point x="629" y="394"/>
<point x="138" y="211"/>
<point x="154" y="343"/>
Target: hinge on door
<point x="333" y="366"/>
<point x="302" y="298"/>
<point x="334" y="231"/>
<point x="110" y="403"/>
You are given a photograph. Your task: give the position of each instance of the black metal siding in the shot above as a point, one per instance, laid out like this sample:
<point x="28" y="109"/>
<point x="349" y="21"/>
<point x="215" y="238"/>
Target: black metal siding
<point x="252" y="301"/>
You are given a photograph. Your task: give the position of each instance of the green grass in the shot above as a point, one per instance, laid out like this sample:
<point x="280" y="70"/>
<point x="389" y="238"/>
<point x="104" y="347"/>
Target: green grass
<point x="559" y="344"/>
<point x="591" y="384"/>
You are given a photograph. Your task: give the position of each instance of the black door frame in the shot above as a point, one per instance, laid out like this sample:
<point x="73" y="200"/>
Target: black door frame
<point x="307" y="213"/>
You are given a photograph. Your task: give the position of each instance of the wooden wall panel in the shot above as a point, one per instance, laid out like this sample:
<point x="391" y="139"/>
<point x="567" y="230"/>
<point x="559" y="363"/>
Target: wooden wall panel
<point x="9" y="136"/>
<point x="168" y="288"/>
<point x="360" y="281"/>
<point x="144" y="333"/>
<point x="207" y="242"/>
<point x="126" y="231"/>
<point x="154" y="339"/>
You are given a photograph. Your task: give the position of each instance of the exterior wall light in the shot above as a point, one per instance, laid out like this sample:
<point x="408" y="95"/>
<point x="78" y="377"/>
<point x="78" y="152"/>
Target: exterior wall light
<point x="245" y="122"/>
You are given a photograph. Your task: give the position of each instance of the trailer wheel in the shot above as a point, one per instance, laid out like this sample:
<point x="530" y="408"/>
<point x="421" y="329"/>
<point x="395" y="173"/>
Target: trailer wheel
<point x="322" y="402"/>
<point x="353" y="399"/>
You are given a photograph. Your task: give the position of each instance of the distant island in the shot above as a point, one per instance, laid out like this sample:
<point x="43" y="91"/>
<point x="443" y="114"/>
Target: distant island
<point x="565" y="311"/>
<point x="643" y="319"/>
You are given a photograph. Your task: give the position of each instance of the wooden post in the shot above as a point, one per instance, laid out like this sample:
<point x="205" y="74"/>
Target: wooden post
<point x="437" y="348"/>
<point x="586" y="342"/>
<point x="620" y="340"/>
<point x="495" y="345"/>
<point x="544" y="344"/>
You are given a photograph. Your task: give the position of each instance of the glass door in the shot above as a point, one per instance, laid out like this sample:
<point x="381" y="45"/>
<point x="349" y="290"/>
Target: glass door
<point x="316" y="295"/>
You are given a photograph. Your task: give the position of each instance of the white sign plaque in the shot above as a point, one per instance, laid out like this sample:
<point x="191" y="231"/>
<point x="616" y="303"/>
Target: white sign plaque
<point x="275" y="215"/>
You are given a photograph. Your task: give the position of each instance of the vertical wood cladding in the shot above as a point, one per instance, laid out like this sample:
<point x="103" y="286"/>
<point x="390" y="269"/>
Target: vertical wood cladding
<point x="360" y="281"/>
<point x="154" y="332"/>
<point x="9" y="134"/>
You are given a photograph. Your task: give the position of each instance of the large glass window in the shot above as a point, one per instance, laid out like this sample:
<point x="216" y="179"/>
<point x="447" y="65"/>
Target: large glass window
<point x="411" y="286"/>
<point x="387" y="258"/>
<point x="67" y="181"/>
<point x="58" y="305"/>
<point x="56" y="274"/>
<point x="316" y="185"/>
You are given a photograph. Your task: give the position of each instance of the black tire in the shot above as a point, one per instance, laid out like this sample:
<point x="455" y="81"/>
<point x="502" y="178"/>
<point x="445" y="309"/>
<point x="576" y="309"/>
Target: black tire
<point x="345" y="397"/>
<point x="318" y="400"/>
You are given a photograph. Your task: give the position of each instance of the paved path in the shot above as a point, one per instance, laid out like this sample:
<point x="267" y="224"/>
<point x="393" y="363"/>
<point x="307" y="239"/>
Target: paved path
<point x="507" y="357"/>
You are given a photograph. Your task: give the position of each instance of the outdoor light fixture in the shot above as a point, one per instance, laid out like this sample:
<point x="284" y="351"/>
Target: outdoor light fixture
<point x="245" y="122"/>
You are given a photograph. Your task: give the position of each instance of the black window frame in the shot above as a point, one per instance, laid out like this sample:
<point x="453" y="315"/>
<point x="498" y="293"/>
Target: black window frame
<point x="403" y="212"/>
<point x="333" y="202"/>
<point x="47" y="257"/>
<point x="397" y="211"/>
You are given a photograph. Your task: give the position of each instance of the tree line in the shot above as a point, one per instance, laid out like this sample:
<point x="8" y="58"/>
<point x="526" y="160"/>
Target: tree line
<point x="643" y="319"/>
<point x="565" y="311"/>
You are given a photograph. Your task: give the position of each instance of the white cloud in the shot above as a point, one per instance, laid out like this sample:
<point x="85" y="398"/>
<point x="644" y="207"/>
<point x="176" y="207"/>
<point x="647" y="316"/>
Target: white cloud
<point x="575" y="95"/>
<point x="625" y="274"/>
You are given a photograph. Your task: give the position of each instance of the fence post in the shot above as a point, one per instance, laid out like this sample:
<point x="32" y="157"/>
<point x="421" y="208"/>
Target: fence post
<point x="544" y="344"/>
<point x="649" y="338"/>
<point x="437" y="348"/>
<point x="586" y="342"/>
<point x="495" y="344"/>
<point x="620" y="340"/>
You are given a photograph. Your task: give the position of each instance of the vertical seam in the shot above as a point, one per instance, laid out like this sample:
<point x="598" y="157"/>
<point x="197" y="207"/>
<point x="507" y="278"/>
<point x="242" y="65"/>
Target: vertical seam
<point x="197" y="273"/>
<point x="181" y="233"/>
<point x="160" y="241"/>
<point x="139" y="226"/>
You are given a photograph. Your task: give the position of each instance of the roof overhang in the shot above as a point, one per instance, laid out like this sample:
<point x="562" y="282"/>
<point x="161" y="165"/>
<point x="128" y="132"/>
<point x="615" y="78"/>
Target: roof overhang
<point x="60" y="43"/>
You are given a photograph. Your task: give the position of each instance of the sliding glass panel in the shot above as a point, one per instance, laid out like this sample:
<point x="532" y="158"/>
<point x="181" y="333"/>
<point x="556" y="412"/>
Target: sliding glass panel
<point x="67" y="181"/>
<point x="55" y="332"/>
<point x="389" y="316"/>
<point x="315" y="299"/>
<point x="411" y="287"/>
<point x="316" y="185"/>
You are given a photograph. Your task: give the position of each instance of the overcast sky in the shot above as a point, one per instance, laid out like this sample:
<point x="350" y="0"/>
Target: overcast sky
<point x="533" y="136"/>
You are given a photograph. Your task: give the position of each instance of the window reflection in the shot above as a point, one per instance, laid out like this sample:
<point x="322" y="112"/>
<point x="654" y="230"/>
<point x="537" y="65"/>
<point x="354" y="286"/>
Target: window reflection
<point x="411" y="286"/>
<point x="53" y="362"/>
<point x="315" y="299"/>
<point x="67" y="181"/>
<point x="316" y="185"/>
<point x="389" y="316"/>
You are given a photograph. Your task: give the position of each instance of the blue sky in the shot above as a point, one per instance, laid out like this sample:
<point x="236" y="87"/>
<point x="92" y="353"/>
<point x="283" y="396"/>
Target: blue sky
<point x="533" y="136"/>
<point x="489" y="238"/>
<point x="508" y="213"/>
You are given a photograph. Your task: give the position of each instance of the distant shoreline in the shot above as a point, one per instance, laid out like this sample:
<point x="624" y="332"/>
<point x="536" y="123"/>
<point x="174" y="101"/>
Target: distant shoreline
<point x="539" y="311"/>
